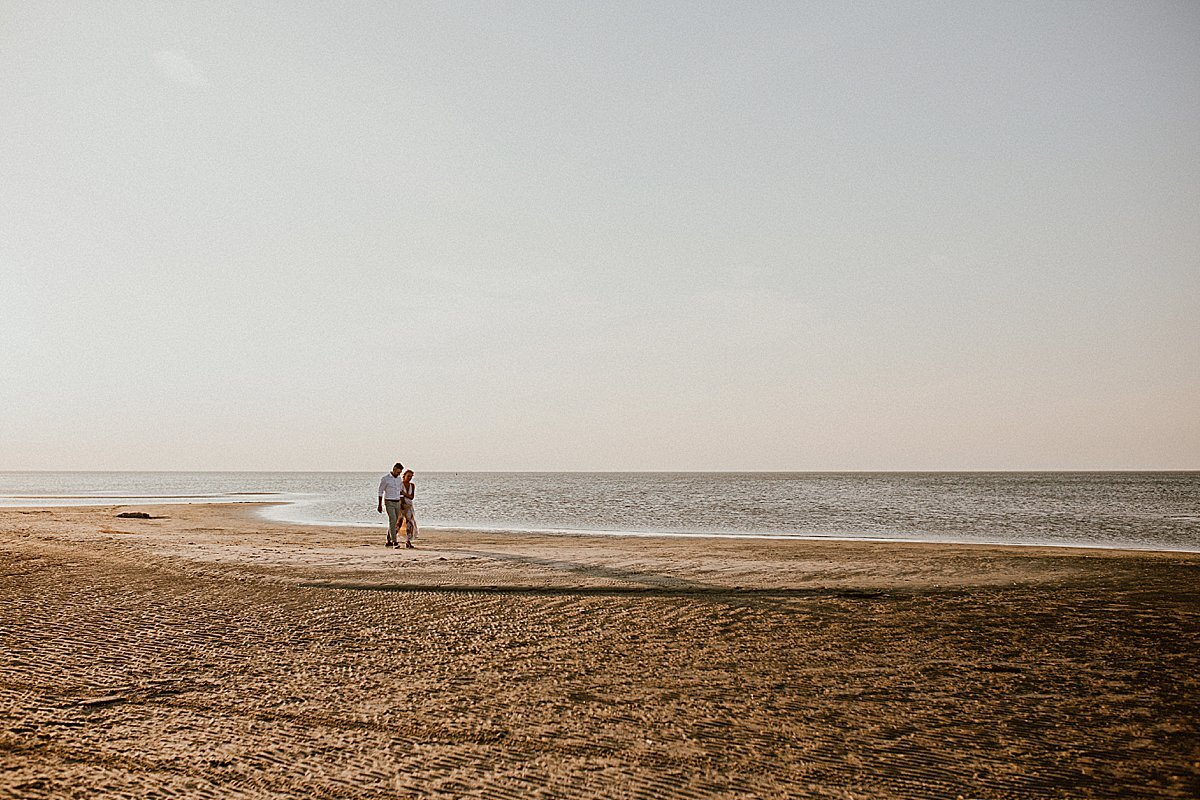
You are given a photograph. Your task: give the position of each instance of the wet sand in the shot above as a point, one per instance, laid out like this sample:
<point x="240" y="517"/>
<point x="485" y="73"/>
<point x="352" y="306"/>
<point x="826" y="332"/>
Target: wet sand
<point x="211" y="653"/>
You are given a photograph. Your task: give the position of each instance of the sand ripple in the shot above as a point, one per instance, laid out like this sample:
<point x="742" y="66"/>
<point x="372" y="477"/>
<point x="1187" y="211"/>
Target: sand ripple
<point x="146" y="662"/>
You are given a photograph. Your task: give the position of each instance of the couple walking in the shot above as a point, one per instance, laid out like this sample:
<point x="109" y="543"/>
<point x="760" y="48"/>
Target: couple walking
<point x="397" y="494"/>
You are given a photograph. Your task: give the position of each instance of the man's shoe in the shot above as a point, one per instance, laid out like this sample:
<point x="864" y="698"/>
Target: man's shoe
<point x="409" y="546"/>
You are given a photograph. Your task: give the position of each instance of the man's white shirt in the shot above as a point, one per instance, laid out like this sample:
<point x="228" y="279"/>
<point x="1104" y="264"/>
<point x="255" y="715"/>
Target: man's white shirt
<point x="391" y="487"/>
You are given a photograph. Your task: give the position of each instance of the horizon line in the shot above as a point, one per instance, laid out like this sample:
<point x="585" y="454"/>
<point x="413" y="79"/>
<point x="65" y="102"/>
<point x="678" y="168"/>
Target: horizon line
<point x="1024" y="471"/>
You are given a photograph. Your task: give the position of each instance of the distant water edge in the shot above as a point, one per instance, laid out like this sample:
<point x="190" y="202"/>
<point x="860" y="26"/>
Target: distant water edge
<point x="1137" y="510"/>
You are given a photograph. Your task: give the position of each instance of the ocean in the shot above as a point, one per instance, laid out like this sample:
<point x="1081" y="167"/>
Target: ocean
<point x="1137" y="510"/>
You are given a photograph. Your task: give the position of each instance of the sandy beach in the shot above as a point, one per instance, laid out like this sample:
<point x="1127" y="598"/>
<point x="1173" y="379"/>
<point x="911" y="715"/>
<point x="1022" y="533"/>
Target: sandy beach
<point x="209" y="653"/>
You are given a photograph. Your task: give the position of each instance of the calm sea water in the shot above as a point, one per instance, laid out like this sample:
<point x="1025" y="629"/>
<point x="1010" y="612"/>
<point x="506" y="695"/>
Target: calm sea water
<point x="1143" y="510"/>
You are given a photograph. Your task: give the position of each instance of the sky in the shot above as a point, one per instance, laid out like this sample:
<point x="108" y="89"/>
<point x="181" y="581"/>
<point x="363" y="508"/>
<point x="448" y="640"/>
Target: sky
<point x="602" y="236"/>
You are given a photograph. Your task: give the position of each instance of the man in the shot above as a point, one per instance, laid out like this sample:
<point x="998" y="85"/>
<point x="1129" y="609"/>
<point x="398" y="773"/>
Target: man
<point x="391" y="493"/>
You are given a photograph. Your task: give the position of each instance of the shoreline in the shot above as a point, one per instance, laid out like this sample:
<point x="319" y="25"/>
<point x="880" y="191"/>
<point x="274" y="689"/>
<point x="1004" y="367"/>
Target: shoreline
<point x="210" y="652"/>
<point x="778" y="537"/>
<point x="261" y="505"/>
<point x="1122" y="510"/>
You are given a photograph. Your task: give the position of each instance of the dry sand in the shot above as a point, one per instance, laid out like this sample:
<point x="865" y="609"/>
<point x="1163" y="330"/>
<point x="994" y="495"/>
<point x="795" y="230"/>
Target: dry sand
<point x="210" y="653"/>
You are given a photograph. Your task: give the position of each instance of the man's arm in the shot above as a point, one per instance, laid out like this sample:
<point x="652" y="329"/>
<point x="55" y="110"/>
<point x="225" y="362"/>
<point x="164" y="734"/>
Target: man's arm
<point x="382" y="483"/>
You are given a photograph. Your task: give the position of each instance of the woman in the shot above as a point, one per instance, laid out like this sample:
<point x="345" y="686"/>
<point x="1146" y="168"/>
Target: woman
<point x="408" y="495"/>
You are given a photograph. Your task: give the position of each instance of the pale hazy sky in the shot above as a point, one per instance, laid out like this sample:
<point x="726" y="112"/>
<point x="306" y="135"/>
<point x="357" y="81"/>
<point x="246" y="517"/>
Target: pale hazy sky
<point x="947" y="235"/>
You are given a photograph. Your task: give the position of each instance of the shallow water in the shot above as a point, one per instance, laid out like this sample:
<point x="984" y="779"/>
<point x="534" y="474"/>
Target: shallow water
<point x="1142" y="510"/>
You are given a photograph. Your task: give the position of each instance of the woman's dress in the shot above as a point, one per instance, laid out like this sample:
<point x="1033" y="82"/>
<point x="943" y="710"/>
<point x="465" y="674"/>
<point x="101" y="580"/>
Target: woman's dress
<point x="410" y="514"/>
